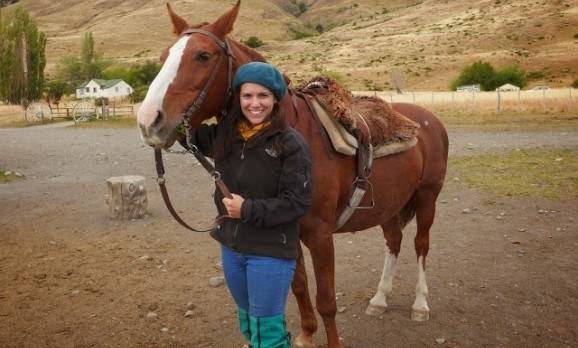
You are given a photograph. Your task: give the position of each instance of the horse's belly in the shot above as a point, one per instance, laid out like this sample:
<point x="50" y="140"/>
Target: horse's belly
<point x="393" y="179"/>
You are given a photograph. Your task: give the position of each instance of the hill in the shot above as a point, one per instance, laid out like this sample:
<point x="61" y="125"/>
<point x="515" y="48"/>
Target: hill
<point x="363" y="41"/>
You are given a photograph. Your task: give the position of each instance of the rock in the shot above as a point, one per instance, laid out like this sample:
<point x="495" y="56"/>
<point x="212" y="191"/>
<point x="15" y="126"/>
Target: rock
<point x="444" y="201"/>
<point x="152" y="316"/>
<point x="189" y="314"/>
<point x="8" y="173"/>
<point x="75" y="292"/>
<point x="558" y="159"/>
<point x="499" y="217"/>
<point x="190" y="306"/>
<point x="217" y="281"/>
<point x="456" y="179"/>
<point x="146" y="258"/>
<point x="341" y="309"/>
<point x="467" y="211"/>
<point x="165" y="330"/>
<point x="440" y="340"/>
<point x="18" y="174"/>
<point x="521" y="230"/>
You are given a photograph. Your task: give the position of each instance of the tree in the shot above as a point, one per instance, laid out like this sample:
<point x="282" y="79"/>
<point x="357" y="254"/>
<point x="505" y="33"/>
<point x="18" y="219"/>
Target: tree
<point x="575" y="84"/>
<point x="512" y="74"/>
<point x="22" y="58"/>
<point x="479" y="73"/>
<point x="92" y="65"/>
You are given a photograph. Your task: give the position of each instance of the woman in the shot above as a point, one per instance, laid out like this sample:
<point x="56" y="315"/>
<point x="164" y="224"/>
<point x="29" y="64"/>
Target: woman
<point x="267" y="167"/>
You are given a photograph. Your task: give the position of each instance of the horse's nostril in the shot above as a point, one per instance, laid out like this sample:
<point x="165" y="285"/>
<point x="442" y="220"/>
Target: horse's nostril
<point x="158" y="120"/>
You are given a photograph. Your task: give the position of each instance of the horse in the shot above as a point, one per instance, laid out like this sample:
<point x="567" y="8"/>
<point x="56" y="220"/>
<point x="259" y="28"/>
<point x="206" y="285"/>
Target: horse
<point x="194" y="84"/>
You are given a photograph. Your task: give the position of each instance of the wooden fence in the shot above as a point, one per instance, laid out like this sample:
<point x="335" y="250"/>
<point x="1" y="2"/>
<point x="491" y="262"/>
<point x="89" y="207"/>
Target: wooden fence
<point x="540" y="101"/>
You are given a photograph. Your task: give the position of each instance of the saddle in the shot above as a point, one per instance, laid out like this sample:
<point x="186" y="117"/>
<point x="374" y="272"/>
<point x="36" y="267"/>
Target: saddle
<point x="351" y="121"/>
<point x="366" y="127"/>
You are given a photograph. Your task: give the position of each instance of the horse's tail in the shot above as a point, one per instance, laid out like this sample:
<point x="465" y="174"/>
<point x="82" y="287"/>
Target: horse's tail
<point x="407" y="213"/>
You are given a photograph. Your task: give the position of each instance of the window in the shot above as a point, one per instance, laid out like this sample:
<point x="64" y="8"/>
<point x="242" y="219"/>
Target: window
<point x="94" y="89"/>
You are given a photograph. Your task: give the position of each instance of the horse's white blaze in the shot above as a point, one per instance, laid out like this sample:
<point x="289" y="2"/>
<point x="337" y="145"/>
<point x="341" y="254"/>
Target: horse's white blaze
<point x="385" y="286"/>
<point x="153" y="101"/>
<point x="421" y="292"/>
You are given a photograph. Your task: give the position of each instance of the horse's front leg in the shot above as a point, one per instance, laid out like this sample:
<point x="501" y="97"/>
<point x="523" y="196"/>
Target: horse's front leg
<point x="320" y="245"/>
<point x="301" y="291"/>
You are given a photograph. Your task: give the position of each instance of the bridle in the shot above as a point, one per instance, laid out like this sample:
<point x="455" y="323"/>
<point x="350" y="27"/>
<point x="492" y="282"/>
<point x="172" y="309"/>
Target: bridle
<point x="187" y="116"/>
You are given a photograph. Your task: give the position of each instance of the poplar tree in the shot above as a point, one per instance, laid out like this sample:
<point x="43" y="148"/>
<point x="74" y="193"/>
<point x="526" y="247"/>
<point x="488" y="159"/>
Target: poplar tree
<point x="22" y="58"/>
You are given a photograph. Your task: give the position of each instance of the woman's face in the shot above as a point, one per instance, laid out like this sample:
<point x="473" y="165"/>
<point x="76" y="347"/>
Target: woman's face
<point x="256" y="102"/>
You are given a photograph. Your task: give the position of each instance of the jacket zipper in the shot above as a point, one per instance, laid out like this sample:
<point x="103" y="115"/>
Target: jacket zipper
<point x="243" y="151"/>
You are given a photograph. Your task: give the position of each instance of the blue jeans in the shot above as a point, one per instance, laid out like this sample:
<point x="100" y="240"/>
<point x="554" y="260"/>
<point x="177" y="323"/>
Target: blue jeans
<point x="259" y="284"/>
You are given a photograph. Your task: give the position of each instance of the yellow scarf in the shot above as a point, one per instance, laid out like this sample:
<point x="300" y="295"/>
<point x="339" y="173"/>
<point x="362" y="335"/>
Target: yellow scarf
<point x="247" y="130"/>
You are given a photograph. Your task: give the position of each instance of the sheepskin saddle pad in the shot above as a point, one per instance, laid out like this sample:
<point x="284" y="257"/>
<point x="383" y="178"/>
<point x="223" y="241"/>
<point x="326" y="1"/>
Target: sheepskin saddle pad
<point x="349" y="119"/>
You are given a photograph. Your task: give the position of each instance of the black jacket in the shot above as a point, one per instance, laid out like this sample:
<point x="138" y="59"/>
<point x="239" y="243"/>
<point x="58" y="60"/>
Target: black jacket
<point x="272" y="172"/>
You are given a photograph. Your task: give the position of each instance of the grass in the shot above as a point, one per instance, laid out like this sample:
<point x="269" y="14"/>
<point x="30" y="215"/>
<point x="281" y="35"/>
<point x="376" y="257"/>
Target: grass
<point x="6" y="178"/>
<point x="508" y="120"/>
<point x="537" y="172"/>
<point x="118" y="122"/>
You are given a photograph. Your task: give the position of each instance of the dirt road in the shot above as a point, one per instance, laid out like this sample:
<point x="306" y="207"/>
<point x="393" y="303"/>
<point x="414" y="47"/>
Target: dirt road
<point x="505" y="275"/>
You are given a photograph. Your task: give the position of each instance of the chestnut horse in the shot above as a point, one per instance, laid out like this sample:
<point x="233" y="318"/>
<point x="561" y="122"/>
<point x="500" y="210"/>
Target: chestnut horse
<point x="193" y="84"/>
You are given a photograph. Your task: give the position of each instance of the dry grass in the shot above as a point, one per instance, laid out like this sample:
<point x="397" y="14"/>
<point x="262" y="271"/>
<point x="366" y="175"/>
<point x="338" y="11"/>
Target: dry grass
<point x="533" y="173"/>
<point x="118" y="122"/>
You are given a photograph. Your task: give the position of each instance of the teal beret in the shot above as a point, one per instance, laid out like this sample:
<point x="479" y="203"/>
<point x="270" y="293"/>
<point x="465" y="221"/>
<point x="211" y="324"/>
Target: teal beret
<point x="263" y="74"/>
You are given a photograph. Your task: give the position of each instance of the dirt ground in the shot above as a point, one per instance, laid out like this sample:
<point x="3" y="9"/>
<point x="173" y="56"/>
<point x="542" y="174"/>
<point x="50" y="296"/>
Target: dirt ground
<point x="505" y="275"/>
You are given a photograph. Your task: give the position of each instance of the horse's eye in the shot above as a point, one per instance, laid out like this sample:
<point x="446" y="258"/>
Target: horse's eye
<point x="203" y="56"/>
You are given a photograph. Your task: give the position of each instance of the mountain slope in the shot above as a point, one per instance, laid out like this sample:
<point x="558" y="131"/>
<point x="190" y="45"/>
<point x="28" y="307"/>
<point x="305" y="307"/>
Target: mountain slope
<point x="428" y="42"/>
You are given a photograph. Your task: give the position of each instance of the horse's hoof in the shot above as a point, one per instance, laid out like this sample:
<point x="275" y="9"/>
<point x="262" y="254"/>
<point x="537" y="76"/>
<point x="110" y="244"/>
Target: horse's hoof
<point x="419" y="315"/>
<point x="303" y="341"/>
<point x="374" y="310"/>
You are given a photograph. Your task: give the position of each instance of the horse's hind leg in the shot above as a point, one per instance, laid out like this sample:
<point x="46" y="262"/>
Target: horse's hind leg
<point x="393" y="236"/>
<point x="425" y="212"/>
<point x="301" y="292"/>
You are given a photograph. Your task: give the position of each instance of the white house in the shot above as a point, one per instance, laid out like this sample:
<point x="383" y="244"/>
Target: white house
<point x="96" y="88"/>
<point x="508" y="87"/>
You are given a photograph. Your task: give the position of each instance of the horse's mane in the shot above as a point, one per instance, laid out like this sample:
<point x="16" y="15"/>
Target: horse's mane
<point x="251" y="53"/>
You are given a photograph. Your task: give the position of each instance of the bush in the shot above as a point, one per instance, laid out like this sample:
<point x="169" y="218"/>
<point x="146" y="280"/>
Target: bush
<point x="512" y="74"/>
<point x="575" y="84"/>
<point x="139" y="94"/>
<point x="481" y="73"/>
<point x="576" y="36"/>
<point x="100" y="101"/>
<point x="253" y="42"/>
<point x="484" y="74"/>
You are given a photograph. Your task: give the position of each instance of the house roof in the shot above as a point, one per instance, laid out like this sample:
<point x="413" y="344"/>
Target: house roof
<point x="102" y="83"/>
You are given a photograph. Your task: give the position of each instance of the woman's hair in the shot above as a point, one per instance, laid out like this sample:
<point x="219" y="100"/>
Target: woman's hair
<point x="228" y="131"/>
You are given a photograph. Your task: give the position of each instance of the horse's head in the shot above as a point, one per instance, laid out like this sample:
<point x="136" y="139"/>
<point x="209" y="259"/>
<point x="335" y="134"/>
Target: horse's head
<point x="194" y="79"/>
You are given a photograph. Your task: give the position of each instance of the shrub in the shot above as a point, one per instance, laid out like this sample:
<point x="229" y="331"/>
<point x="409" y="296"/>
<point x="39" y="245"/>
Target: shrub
<point x="253" y="42"/>
<point x="575" y="84"/>
<point x="481" y="73"/>
<point x="576" y="36"/>
<point x="511" y="74"/>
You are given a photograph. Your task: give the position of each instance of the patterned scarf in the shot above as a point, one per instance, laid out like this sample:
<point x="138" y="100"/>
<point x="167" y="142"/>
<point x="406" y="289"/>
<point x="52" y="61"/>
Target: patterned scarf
<point x="247" y="130"/>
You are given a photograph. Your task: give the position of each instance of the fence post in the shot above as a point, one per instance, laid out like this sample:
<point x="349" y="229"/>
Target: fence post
<point x="544" y="99"/>
<point x="519" y="102"/>
<point x="499" y="100"/>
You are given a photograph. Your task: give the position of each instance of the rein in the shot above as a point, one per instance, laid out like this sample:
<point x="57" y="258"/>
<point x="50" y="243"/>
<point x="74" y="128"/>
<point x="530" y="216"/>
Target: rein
<point x="187" y="116"/>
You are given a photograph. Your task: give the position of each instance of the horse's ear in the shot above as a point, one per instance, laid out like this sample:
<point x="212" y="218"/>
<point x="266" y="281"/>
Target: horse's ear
<point x="224" y="25"/>
<point x="179" y="24"/>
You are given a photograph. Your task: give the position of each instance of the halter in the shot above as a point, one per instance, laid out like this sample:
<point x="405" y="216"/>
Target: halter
<point x="187" y="116"/>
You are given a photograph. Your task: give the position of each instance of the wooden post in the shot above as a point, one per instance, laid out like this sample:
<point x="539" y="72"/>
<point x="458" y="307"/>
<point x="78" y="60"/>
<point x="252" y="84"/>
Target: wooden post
<point x="126" y="197"/>
<point x="498" y="106"/>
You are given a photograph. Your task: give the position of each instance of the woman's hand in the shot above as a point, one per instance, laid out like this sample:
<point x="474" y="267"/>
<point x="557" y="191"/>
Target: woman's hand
<point x="233" y="205"/>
